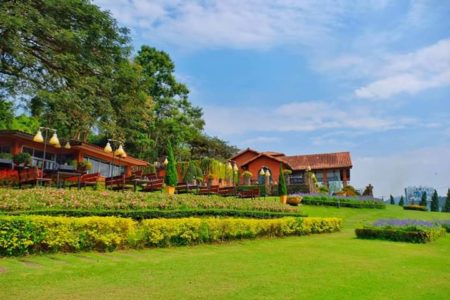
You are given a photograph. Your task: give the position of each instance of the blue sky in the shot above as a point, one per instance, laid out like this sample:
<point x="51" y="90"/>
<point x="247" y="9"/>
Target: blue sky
<point x="369" y="77"/>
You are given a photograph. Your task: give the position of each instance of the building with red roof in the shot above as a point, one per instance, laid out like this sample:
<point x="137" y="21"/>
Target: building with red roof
<point x="330" y="169"/>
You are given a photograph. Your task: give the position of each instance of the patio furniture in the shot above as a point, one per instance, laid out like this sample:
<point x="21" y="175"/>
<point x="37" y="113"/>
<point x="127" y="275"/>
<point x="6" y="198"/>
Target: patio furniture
<point x="85" y="180"/>
<point x="32" y="176"/>
<point x="62" y="176"/>
<point x="250" y="193"/>
<point x="183" y="188"/>
<point x="116" y="182"/>
<point x="154" y="185"/>
<point x="211" y="190"/>
<point x="138" y="182"/>
<point x="227" y="191"/>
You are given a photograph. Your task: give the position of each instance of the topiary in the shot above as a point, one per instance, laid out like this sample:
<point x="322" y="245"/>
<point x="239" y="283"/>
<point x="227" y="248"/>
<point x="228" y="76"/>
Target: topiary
<point x="282" y="188"/>
<point x="171" y="178"/>
<point x="22" y="158"/>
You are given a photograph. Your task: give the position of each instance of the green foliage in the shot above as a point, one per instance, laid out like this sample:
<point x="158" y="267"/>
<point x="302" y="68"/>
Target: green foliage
<point x="171" y="178"/>
<point x="60" y="199"/>
<point x="419" y="235"/>
<point x="202" y="145"/>
<point x="391" y="200"/>
<point x="415" y="207"/>
<point x="247" y="174"/>
<point x="402" y="201"/>
<point x="36" y="234"/>
<point x="342" y="202"/>
<point x="423" y="199"/>
<point x="282" y="188"/>
<point x="191" y="173"/>
<point x="6" y="114"/>
<point x="22" y="158"/>
<point x="349" y="191"/>
<point x="6" y="155"/>
<point x="447" y="203"/>
<point x="435" y="201"/>
<point x="142" y="214"/>
<point x="323" y="190"/>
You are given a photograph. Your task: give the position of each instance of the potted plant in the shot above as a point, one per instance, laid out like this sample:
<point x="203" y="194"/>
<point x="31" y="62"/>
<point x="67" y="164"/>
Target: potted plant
<point x="6" y="158"/>
<point x="171" y="178"/>
<point x="282" y="188"/>
<point x="22" y="159"/>
<point x="294" y="200"/>
<point x="84" y="166"/>
<point x="247" y="177"/>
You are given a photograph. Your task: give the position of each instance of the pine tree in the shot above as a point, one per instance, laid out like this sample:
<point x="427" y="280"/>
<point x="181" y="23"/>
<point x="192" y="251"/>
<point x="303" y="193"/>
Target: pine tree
<point x="402" y="201"/>
<point x="392" y="200"/>
<point x="282" y="188"/>
<point x="171" y="178"/>
<point x="435" y="201"/>
<point x="447" y="203"/>
<point x="423" y="201"/>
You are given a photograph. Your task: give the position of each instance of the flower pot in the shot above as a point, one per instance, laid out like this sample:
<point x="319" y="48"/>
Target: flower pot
<point x="170" y="190"/>
<point x="283" y="199"/>
<point x="294" y="200"/>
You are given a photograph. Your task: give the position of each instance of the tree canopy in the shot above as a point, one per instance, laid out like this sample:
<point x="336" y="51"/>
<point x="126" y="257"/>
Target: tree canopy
<point x="69" y="64"/>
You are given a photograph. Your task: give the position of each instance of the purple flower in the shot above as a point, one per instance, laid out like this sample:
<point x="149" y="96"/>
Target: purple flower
<point x="403" y="223"/>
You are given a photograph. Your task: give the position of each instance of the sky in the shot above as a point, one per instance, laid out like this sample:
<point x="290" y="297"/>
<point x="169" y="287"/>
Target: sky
<point x="300" y="77"/>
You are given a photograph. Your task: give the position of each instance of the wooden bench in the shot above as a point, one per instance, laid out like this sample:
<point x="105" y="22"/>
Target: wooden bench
<point x="32" y="176"/>
<point x="85" y="180"/>
<point x="116" y="182"/>
<point x="251" y="193"/>
<point x="227" y="191"/>
<point x="154" y="185"/>
<point x="183" y="188"/>
<point x="211" y="190"/>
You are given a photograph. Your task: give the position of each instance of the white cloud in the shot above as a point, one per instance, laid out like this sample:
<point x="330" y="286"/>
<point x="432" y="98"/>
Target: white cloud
<point x="253" y="24"/>
<point x="410" y="73"/>
<point x="298" y="117"/>
<point x="390" y="174"/>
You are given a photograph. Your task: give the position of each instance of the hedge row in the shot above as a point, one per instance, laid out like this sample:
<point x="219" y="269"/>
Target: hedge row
<point x="342" y="202"/>
<point x="415" y="207"/>
<point x="392" y="234"/>
<point x="154" y="214"/>
<point x="22" y="235"/>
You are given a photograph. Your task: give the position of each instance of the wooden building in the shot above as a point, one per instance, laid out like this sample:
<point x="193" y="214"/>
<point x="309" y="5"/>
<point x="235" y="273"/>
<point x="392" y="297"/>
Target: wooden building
<point x="14" y="142"/>
<point x="330" y="169"/>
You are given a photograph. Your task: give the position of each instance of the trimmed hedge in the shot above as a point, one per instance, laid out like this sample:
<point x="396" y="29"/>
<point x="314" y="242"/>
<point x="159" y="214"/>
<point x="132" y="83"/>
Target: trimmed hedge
<point x="393" y="234"/>
<point x="21" y="235"/>
<point x="342" y="202"/>
<point x="415" y="207"/>
<point x="154" y="214"/>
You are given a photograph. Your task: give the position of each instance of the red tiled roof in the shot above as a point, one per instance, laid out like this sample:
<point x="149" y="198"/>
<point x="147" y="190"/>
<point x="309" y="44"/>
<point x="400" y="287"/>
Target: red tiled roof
<point x="274" y="153"/>
<point x="242" y="152"/>
<point x="319" y="161"/>
<point x="266" y="155"/>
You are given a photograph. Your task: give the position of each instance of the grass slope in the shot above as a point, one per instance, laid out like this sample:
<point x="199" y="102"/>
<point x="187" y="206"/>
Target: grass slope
<point x="334" y="266"/>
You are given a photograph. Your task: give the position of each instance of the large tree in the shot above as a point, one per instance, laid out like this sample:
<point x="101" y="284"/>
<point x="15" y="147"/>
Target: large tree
<point x="423" y="200"/>
<point x="60" y="56"/>
<point x="175" y="118"/>
<point x="435" y="201"/>
<point x="447" y="203"/>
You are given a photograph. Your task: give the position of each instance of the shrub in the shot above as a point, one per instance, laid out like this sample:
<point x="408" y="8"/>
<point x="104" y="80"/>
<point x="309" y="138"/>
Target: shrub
<point x="342" y="202"/>
<point x="171" y="178"/>
<point x="23" y="235"/>
<point x="414" y="231"/>
<point x="60" y="199"/>
<point x="153" y="214"/>
<point x="415" y="207"/>
<point x="22" y="158"/>
<point x="282" y="188"/>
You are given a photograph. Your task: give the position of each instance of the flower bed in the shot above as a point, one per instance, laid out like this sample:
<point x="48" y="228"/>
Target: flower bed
<point x="36" y="234"/>
<point x="414" y="231"/>
<point x="415" y="207"/>
<point x="45" y="199"/>
<point x="342" y="202"/>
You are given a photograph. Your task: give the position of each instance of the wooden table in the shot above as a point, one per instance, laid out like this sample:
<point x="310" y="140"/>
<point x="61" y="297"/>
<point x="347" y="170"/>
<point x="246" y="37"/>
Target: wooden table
<point x="61" y="176"/>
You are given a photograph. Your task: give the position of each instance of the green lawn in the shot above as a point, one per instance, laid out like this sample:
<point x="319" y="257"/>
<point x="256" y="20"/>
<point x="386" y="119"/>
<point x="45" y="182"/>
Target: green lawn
<point x="331" y="266"/>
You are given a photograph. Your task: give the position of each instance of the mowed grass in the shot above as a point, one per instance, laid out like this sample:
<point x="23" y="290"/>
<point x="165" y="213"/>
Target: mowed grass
<point x="329" y="266"/>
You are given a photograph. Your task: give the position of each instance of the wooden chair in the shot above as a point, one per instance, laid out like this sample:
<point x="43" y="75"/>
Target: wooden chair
<point x="85" y="180"/>
<point x="251" y="193"/>
<point x="154" y="185"/>
<point x="32" y="176"/>
<point x="211" y="190"/>
<point x="116" y="182"/>
<point x="227" y="191"/>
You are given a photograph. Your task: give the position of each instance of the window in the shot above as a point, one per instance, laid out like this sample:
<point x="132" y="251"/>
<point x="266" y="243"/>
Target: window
<point x="103" y="167"/>
<point x="37" y="158"/>
<point x="334" y="175"/>
<point x="319" y="176"/>
<point x="297" y="178"/>
<point x="5" y="149"/>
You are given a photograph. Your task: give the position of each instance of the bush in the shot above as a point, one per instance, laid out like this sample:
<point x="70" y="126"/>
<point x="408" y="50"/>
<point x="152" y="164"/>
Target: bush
<point x="415" y="207"/>
<point x="392" y="234"/>
<point x="60" y="199"/>
<point x="153" y="214"/>
<point x="342" y="202"/>
<point x="24" y="235"/>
